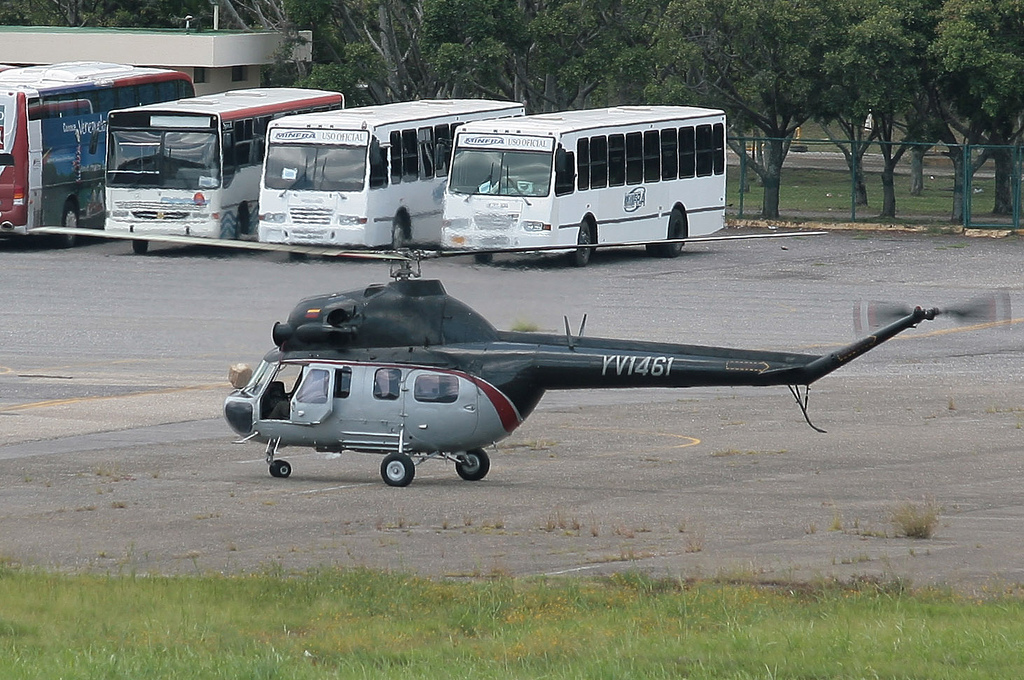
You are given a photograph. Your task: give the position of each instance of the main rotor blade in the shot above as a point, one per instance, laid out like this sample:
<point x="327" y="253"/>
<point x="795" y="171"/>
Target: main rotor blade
<point x="987" y="309"/>
<point x="617" y="244"/>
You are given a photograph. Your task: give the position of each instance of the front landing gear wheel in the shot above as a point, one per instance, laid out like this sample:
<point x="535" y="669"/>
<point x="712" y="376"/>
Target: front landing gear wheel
<point x="397" y="470"/>
<point x="473" y="465"/>
<point x="280" y="468"/>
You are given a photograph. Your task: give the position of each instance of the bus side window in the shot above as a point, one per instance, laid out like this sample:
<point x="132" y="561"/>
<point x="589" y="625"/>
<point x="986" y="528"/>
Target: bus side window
<point x="148" y="93"/>
<point x="167" y="90"/>
<point x="652" y="156"/>
<point x="669" y="155"/>
<point x="598" y="162"/>
<point x="442" y="149"/>
<point x="396" y="157"/>
<point x="378" y="165"/>
<point x="583" y="163"/>
<point x="687" y="153"/>
<point x="105" y="100"/>
<point x="425" y="139"/>
<point x="564" y="172"/>
<point x="127" y="95"/>
<point x="705" y="151"/>
<point x="227" y="143"/>
<point x="616" y="160"/>
<point x="718" y="141"/>
<point x="410" y="155"/>
<point x="634" y="158"/>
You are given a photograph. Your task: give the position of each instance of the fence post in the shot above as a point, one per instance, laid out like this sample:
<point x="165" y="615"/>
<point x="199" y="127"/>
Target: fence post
<point x="968" y="190"/>
<point x="743" y="174"/>
<point x="853" y="180"/>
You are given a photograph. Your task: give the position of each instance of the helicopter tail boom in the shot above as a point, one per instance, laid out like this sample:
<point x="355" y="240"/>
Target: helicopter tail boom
<point x="827" y="363"/>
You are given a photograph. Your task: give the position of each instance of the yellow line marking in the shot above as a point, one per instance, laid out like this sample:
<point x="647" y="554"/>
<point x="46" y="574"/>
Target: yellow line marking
<point x="76" y="400"/>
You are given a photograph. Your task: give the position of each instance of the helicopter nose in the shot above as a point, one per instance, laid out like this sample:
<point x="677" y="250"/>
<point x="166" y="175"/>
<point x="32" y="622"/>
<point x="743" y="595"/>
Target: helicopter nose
<point x="238" y="413"/>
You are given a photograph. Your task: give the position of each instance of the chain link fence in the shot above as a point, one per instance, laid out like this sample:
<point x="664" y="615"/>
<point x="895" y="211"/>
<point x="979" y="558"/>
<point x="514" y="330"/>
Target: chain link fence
<point x="968" y="186"/>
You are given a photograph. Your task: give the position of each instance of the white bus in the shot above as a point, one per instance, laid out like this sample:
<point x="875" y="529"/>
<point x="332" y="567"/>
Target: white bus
<point x="53" y="123"/>
<point x="369" y="176"/>
<point x="608" y="176"/>
<point x="192" y="168"/>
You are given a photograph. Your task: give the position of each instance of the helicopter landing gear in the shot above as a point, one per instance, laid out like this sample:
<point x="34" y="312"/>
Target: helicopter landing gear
<point x="473" y="465"/>
<point x="280" y="468"/>
<point x="397" y="469"/>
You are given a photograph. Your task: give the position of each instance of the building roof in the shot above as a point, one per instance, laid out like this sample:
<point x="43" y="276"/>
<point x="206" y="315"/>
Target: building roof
<point x="144" y="47"/>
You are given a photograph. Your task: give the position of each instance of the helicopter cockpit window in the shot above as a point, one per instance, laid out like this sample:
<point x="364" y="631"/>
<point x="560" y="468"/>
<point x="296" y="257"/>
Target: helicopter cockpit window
<point x="342" y="382"/>
<point x="386" y="383"/>
<point x="314" y="387"/>
<point x="436" y="389"/>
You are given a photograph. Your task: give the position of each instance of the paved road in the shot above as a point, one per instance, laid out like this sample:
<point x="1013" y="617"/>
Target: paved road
<point x="113" y="455"/>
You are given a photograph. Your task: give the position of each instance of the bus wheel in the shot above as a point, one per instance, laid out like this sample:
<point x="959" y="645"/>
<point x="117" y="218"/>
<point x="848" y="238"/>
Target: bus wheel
<point x="68" y="218"/>
<point x="244" y="221"/>
<point x="483" y="258"/>
<point x="140" y="247"/>
<point x="581" y="256"/>
<point x="676" y="229"/>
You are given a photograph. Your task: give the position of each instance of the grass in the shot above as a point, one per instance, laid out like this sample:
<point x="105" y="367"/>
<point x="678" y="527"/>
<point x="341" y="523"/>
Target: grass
<point x="820" y="193"/>
<point x="366" y="624"/>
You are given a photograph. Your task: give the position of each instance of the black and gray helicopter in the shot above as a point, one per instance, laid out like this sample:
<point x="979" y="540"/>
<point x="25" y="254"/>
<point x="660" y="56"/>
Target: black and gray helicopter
<point x="407" y="371"/>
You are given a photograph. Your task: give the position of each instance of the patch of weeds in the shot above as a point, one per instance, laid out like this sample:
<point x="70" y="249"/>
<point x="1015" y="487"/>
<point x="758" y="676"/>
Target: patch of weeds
<point x="915" y="520"/>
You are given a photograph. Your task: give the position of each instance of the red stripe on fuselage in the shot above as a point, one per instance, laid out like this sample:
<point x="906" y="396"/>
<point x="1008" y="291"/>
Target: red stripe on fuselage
<point x="506" y="410"/>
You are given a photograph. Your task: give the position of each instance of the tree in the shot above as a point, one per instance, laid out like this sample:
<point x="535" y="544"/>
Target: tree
<point x="978" y="54"/>
<point x="758" y="59"/>
<point x="877" y="70"/>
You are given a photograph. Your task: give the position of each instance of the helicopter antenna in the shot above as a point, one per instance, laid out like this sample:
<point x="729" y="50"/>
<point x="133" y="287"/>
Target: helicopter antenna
<point x="568" y="334"/>
<point x="802" y="403"/>
<point x="569" y="339"/>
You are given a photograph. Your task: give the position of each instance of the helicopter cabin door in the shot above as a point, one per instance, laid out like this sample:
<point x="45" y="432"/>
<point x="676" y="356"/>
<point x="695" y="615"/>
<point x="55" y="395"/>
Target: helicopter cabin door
<point x="313" y="399"/>
<point x="440" y="409"/>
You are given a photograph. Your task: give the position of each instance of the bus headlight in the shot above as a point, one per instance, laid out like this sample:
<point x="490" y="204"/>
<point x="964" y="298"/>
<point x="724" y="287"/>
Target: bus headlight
<point x="274" y="218"/>
<point x="351" y="220"/>
<point x="534" y="225"/>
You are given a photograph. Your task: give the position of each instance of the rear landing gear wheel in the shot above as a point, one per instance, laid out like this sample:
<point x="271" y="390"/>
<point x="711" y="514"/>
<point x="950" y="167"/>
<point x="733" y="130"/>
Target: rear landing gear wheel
<point x="280" y="468"/>
<point x="474" y="465"/>
<point x="397" y="470"/>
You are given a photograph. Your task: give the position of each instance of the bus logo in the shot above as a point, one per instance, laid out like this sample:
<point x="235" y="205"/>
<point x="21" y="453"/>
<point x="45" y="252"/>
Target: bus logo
<point x="293" y="135"/>
<point x="635" y="199"/>
<point x="483" y="141"/>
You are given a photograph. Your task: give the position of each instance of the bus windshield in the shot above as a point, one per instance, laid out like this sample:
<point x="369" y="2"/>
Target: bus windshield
<point x="164" y="158"/>
<point x="315" y="167"/>
<point x="501" y="173"/>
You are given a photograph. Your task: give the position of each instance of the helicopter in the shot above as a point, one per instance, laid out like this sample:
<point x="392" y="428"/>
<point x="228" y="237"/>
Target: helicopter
<point x="409" y="372"/>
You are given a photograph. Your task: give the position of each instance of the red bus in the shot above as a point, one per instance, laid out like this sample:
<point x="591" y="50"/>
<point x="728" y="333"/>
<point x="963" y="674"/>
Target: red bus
<point x="53" y="125"/>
